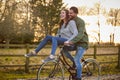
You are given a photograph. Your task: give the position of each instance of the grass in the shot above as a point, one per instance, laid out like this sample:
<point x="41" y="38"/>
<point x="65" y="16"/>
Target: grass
<point x="10" y="73"/>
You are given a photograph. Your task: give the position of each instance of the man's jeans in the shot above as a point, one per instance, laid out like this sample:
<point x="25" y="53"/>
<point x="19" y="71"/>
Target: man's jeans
<point x="55" y="42"/>
<point x="77" y="58"/>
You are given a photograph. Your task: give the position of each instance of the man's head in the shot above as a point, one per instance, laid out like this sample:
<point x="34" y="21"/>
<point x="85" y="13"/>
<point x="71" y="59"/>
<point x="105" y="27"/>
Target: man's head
<point x="73" y="12"/>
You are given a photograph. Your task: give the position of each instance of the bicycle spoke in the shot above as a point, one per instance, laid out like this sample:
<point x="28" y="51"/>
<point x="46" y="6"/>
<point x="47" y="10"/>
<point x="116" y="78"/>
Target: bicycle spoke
<point x="91" y="69"/>
<point x="50" y="71"/>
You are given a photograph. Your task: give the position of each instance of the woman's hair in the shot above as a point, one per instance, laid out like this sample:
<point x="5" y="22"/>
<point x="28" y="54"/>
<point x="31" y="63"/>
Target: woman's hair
<point x="67" y="18"/>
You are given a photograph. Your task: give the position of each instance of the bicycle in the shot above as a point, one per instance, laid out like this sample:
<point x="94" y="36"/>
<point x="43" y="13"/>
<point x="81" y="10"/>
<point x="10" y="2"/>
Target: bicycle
<point x="55" y="69"/>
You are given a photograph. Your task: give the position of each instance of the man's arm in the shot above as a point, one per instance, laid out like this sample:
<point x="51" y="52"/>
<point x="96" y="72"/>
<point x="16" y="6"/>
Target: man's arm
<point x="81" y="29"/>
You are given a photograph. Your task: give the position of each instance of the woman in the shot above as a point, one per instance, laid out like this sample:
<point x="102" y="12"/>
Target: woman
<point x="66" y="32"/>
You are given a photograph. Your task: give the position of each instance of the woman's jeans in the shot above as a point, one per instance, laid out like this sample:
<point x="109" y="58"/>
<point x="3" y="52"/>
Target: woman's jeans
<point x="78" y="56"/>
<point x="55" y="42"/>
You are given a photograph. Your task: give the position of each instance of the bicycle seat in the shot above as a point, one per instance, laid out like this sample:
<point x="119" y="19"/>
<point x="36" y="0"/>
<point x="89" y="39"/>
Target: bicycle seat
<point x="70" y="48"/>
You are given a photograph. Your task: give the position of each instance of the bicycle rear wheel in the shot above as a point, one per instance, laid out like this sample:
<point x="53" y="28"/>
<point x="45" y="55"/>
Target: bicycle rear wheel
<point x="90" y="70"/>
<point x="51" y="70"/>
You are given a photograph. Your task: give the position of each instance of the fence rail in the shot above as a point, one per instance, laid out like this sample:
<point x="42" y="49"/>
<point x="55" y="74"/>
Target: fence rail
<point x="27" y="61"/>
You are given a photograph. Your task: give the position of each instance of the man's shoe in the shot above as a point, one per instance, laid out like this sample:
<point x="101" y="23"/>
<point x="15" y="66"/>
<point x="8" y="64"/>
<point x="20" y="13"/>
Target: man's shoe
<point x="33" y="53"/>
<point x="78" y="79"/>
<point x="48" y="59"/>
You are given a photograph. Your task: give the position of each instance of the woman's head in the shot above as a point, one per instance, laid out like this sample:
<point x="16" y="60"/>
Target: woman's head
<point x="64" y="15"/>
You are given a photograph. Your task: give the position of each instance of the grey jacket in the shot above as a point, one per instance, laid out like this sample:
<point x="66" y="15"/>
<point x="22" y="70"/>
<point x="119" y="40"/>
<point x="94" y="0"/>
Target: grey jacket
<point x="68" y="32"/>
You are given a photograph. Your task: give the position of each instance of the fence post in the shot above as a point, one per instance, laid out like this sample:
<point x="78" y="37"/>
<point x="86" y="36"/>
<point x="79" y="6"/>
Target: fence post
<point x="118" y="57"/>
<point x="95" y="51"/>
<point x="27" y="59"/>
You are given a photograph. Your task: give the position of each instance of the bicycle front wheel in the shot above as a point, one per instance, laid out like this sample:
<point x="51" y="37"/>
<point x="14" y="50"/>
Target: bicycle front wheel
<point x="51" y="70"/>
<point x="91" y="69"/>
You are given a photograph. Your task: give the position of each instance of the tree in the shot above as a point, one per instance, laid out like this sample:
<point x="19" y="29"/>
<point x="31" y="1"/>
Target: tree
<point x="114" y="20"/>
<point x="46" y="15"/>
<point x="115" y="14"/>
<point x="7" y="26"/>
<point x="2" y="9"/>
<point x="26" y="30"/>
<point x="15" y="22"/>
<point x="82" y="10"/>
<point x="96" y="11"/>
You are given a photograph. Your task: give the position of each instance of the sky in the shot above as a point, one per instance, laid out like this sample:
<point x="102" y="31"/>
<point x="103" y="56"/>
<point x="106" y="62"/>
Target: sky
<point x="105" y="3"/>
<point x="105" y="36"/>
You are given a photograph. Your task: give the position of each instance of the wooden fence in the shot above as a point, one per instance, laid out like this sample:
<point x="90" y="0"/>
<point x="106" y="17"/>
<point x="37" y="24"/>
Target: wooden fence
<point x="97" y="51"/>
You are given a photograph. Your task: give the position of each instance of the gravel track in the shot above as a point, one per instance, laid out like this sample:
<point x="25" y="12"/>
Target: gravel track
<point x="104" y="77"/>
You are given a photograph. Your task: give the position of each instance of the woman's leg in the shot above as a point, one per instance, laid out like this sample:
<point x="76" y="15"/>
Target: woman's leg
<point x="55" y="42"/>
<point x="77" y="59"/>
<point x="43" y="43"/>
<point x="40" y="46"/>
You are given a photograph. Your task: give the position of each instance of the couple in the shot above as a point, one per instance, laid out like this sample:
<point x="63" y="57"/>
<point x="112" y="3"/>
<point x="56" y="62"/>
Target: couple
<point x="71" y="32"/>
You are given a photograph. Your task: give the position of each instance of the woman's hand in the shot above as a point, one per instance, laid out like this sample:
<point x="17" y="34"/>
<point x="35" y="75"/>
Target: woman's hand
<point x="68" y="43"/>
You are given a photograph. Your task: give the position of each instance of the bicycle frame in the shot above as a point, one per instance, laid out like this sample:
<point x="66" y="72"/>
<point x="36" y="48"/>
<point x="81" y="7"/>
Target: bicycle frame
<point x="70" y="69"/>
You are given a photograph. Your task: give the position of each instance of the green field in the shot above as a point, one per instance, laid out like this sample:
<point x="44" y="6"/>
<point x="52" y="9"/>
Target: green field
<point x="11" y="73"/>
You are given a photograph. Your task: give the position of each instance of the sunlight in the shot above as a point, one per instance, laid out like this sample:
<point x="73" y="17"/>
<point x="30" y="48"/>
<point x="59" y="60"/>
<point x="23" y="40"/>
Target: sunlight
<point x="105" y="3"/>
<point x="105" y="29"/>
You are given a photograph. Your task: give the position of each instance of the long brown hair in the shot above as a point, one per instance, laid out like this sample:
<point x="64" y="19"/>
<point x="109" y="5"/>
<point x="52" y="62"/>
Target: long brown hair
<point x="67" y="18"/>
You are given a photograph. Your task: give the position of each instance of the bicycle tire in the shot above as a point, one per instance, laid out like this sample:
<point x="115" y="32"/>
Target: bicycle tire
<point x="50" y="70"/>
<point x="91" y="69"/>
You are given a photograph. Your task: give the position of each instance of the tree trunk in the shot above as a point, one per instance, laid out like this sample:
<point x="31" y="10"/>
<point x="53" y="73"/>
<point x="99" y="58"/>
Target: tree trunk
<point x="7" y="43"/>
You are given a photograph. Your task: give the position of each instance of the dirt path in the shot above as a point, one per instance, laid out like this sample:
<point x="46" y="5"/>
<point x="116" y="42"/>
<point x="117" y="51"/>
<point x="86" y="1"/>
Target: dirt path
<point x="111" y="77"/>
<point x="105" y="77"/>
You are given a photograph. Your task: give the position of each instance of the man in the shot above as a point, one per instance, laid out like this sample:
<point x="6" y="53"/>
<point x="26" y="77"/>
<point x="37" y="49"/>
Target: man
<point x="81" y="40"/>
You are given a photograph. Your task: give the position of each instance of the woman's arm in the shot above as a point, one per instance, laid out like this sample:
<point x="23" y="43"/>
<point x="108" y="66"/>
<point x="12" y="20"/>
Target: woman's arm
<point x="73" y="29"/>
<point x="58" y="33"/>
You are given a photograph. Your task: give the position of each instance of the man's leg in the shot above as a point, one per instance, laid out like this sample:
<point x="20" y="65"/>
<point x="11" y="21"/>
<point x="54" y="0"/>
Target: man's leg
<point x="68" y="55"/>
<point x="77" y="59"/>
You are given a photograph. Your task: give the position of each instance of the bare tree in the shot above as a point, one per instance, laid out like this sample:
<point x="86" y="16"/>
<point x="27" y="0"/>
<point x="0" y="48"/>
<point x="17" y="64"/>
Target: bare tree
<point x="114" y="20"/>
<point x="96" y="10"/>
